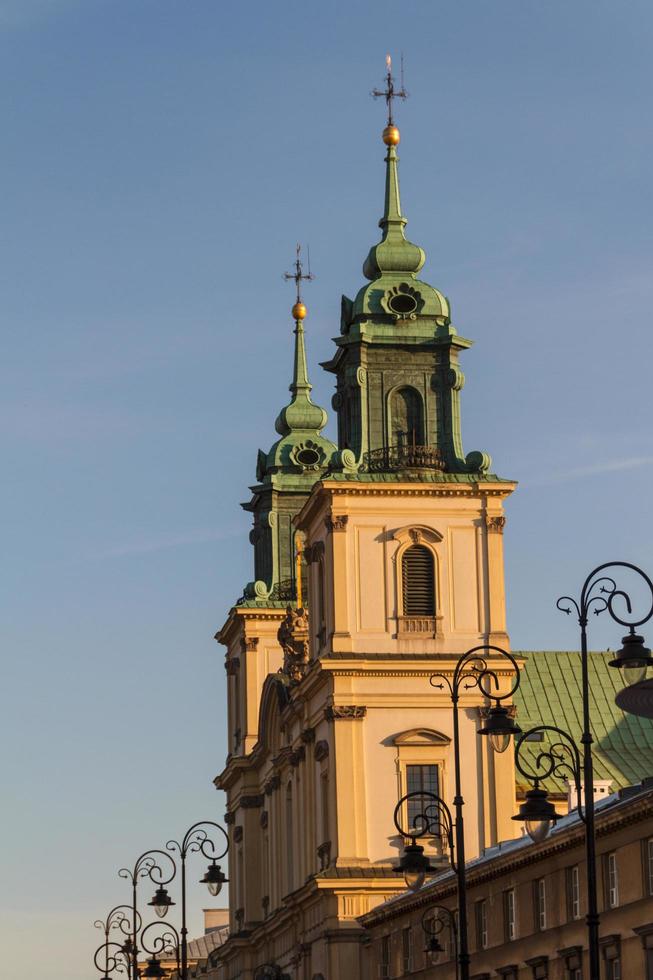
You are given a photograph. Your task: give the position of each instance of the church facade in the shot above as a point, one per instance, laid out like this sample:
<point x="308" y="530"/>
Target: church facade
<point x="378" y="562"/>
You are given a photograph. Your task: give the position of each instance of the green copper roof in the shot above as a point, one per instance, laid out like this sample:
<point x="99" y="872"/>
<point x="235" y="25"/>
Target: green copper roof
<point x="550" y="694"/>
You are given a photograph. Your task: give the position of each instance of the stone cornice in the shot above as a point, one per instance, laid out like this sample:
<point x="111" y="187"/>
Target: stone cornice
<point x="239" y="616"/>
<point x="325" y="492"/>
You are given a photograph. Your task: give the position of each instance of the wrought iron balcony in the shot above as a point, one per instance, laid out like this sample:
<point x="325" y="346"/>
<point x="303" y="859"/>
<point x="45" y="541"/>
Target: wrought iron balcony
<point x="396" y="458"/>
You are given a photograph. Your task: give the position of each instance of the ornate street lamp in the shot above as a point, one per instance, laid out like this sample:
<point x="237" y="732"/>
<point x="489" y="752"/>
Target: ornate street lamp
<point x="214" y="879"/>
<point x="148" y="865"/>
<point x="116" y="957"/>
<point x="474" y="669"/>
<point x="598" y="594"/>
<point x="560" y="758"/>
<point x="195" y="839"/>
<point x="110" y="958"/>
<point x="434" y="921"/>
<point x="432" y="821"/>
<point x="163" y="942"/>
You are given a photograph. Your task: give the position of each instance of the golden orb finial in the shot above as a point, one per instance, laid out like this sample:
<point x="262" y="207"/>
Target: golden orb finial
<point x="298" y="311"/>
<point x="391" y="136"/>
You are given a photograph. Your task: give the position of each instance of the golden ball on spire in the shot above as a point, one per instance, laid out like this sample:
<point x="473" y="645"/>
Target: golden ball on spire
<point x="391" y="136"/>
<point x="298" y="311"/>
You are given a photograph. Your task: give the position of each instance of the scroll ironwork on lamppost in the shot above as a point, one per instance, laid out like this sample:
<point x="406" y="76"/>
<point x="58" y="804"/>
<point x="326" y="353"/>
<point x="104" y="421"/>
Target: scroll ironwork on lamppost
<point x="110" y="958"/>
<point x="434" y="922"/>
<point x="432" y="819"/>
<point x="148" y="865"/>
<point x="600" y="593"/>
<point x="473" y="670"/>
<point x="197" y="839"/>
<point x="559" y="758"/>
<point x="164" y="941"/>
<point x="119" y="920"/>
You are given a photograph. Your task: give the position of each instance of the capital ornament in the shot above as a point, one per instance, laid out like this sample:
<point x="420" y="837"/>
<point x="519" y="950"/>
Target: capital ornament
<point x="495" y="524"/>
<point x="336" y="522"/>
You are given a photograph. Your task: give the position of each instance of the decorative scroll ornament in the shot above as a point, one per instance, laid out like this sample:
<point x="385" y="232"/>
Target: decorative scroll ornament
<point x="293" y="639"/>
<point x="337" y="712"/>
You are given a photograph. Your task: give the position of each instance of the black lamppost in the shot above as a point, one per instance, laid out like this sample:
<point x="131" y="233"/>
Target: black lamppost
<point x="433" y="924"/>
<point x="119" y="919"/>
<point x="164" y="941"/>
<point x="473" y="670"/>
<point x="432" y="820"/>
<point x="598" y="594"/>
<point x="197" y="838"/>
<point x="147" y="866"/>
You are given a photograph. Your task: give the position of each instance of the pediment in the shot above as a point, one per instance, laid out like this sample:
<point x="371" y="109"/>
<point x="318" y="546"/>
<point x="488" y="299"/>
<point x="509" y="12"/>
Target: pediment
<point x="421" y="736"/>
<point x="415" y="533"/>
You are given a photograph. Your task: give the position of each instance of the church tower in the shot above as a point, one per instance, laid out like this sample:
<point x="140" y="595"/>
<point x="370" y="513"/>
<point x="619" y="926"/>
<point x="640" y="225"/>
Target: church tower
<point x="401" y="538"/>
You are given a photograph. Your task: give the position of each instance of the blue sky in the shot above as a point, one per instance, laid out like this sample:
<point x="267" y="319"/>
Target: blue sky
<point x="160" y="160"/>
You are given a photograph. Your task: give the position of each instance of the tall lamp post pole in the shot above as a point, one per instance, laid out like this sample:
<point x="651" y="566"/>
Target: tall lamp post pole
<point x="473" y="670"/>
<point x="148" y="866"/>
<point x="197" y="838"/>
<point x="600" y="593"/>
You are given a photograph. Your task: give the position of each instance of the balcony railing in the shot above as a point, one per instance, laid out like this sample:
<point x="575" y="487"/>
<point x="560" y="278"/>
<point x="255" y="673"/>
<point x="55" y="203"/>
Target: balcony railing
<point x="395" y="458"/>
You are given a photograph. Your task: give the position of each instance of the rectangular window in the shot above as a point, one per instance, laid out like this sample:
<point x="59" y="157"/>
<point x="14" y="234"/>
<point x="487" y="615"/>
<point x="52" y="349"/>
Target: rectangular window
<point x="611" y="880"/>
<point x="573" y="892"/>
<point x="385" y="957"/>
<point x="613" y="968"/>
<point x="649" y="866"/>
<point x="422" y="779"/>
<point x="539" y="897"/>
<point x="407" y="949"/>
<point x="509" y="919"/>
<point x="481" y="924"/>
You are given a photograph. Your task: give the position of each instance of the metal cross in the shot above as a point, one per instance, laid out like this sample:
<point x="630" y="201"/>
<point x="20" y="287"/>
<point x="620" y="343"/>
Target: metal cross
<point x="298" y="275"/>
<point x="389" y="93"/>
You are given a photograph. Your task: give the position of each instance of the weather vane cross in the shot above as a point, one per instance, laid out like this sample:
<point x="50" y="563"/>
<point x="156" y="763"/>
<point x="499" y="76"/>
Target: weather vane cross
<point x="299" y="275"/>
<point x="389" y="93"/>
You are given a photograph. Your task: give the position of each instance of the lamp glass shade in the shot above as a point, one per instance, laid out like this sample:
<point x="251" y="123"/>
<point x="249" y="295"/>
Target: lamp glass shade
<point x="414" y="879"/>
<point x="214" y="878"/>
<point x="633" y="672"/>
<point x="500" y="741"/>
<point x="433" y="951"/>
<point x="537" y="829"/>
<point x="161" y="902"/>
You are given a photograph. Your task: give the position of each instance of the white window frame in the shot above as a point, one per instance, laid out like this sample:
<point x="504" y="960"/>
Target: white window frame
<point x="511" y="914"/>
<point x="613" y="880"/>
<point x="575" y="892"/>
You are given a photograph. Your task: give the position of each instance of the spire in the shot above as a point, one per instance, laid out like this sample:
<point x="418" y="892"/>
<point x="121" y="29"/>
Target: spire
<point x="394" y="254"/>
<point x="301" y="413"/>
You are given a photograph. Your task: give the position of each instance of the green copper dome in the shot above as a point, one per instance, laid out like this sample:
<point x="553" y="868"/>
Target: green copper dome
<point x="393" y="264"/>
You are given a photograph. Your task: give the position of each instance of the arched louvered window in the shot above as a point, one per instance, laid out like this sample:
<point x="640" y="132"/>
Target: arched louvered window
<point x="418" y="581"/>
